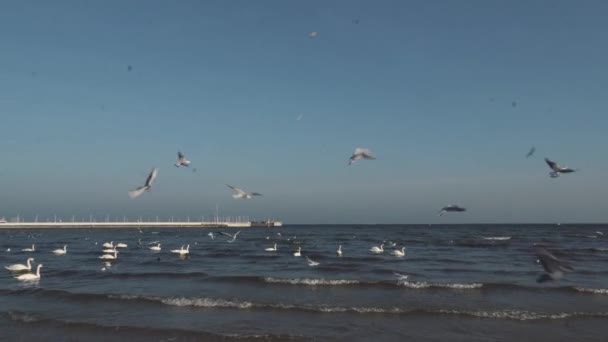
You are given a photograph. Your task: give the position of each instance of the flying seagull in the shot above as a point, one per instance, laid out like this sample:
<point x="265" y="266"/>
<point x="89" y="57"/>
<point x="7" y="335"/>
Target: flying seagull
<point x="233" y="236"/>
<point x="240" y="194"/>
<point x="311" y="262"/>
<point x="452" y="208"/>
<point x="553" y="266"/>
<point x="137" y="192"/>
<point x="361" y="153"/>
<point x="557" y="170"/>
<point x="531" y="152"/>
<point x="181" y="160"/>
<point x="314" y="34"/>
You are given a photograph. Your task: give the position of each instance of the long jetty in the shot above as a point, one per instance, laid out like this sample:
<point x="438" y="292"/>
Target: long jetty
<point x="123" y="225"/>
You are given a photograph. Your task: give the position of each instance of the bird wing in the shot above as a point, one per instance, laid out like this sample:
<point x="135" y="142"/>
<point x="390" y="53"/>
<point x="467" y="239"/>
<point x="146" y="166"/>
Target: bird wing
<point x="553" y="165"/>
<point x="241" y="192"/>
<point x="551" y="263"/>
<point x="255" y="194"/>
<point x="531" y="152"/>
<point x="137" y="192"/>
<point x="226" y="234"/>
<point x="151" y="177"/>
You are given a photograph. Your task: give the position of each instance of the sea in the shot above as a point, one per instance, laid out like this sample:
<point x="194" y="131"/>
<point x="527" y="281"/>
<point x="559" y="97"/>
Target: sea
<point x="455" y="283"/>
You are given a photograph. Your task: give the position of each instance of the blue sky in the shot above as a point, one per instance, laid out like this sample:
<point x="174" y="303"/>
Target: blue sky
<point x="427" y="85"/>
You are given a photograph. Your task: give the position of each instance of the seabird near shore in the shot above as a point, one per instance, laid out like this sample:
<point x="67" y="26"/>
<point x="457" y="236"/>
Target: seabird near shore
<point x="553" y="266"/>
<point x="240" y="194"/>
<point x="151" y="177"/>
<point x="557" y="169"/>
<point x="452" y="208"/>
<point x="181" y="160"/>
<point x="361" y="153"/>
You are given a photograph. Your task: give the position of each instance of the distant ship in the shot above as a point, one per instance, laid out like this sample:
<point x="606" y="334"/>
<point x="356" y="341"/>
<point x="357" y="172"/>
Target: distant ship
<point x="266" y="223"/>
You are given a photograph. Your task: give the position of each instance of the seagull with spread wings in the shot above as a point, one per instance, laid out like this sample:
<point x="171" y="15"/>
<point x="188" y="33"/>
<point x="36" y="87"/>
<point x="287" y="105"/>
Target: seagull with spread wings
<point x="233" y="236"/>
<point x="181" y="160"/>
<point x="452" y="208"/>
<point x="361" y="153"/>
<point x="240" y="194"/>
<point x="553" y="266"/>
<point x="557" y="169"/>
<point x="151" y="177"/>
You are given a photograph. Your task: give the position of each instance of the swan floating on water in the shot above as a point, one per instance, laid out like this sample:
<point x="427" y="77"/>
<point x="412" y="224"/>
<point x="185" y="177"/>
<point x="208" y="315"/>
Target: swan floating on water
<point x="271" y="249"/>
<point x="21" y="267"/>
<point x="155" y="248"/>
<point x="377" y="250"/>
<point x="109" y="256"/>
<point x="399" y="253"/>
<point x="108" y="244"/>
<point x="110" y="251"/>
<point x="298" y="253"/>
<point x="177" y="250"/>
<point x="339" y="251"/>
<point x="61" y="251"/>
<point x="30" y="276"/>
<point x="121" y="245"/>
<point x="182" y="251"/>
<point x="33" y="249"/>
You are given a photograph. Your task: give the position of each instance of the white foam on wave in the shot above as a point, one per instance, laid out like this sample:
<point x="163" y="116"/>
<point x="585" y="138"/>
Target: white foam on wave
<point x="207" y="303"/>
<point x="521" y="315"/>
<point x="590" y="290"/>
<point x="312" y="281"/>
<point x="425" y="285"/>
<point x="499" y="238"/>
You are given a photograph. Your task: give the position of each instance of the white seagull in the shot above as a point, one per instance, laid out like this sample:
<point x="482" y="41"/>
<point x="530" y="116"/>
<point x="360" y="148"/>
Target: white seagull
<point x="61" y="251"/>
<point x="399" y="253"/>
<point x="21" y="267"/>
<point x="30" y="276"/>
<point x="271" y="249"/>
<point x="557" y="170"/>
<point x="211" y="235"/>
<point x="181" y="160"/>
<point x="33" y="249"/>
<point x="553" y="266"/>
<point x="240" y="194"/>
<point x="311" y="262"/>
<point x="377" y="250"/>
<point x="155" y="248"/>
<point x="137" y="192"/>
<point x="233" y="236"/>
<point x="361" y="153"/>
<point x="298" y="253"/>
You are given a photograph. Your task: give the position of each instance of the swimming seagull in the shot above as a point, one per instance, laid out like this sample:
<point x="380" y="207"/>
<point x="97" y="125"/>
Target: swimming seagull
<point x="451" y="208"/>
<point x="557" y="169"/>
<point x="233" y="236"/>
<point x="240" y="194"/>
<point x="137" y="192"/>
<point x="531" y="152"/>
<point x="553" y="266"/>
<point x="181" y="160"/>
<point x="311" y="262"/>
<point x="361" y="153"/>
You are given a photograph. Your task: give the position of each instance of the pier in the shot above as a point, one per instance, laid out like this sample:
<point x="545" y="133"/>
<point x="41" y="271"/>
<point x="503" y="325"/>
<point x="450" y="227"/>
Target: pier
<point x="123" y="225"/>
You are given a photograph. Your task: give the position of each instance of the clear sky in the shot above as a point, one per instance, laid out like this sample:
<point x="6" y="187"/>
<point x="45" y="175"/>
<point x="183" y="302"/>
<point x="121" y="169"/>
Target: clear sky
<point x="450" y="96"/>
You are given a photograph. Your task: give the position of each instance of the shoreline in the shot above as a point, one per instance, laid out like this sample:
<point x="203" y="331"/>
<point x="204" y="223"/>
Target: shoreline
<point x="122" y="225"/>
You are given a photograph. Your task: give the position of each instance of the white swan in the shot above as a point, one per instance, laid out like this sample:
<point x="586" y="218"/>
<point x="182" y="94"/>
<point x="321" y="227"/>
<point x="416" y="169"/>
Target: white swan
<point x="33" y="249"/>
<point x="155" y="248"/>
<point x="21" y="267"/>
<point x="109" y="256"/>
<point x="399" y="253"/>
<point x="121" y="245"/>
<point x="109" y="251"/>
<point x="108" y="244"/>
<point x="298" y="253"/>
<point x="178" y="250"/>
<point x="271" y="249"/>
<point x="377" y="250"/>
<point x="61" y="251"/>
<point x="30" y="276"/>
<point x="184" y="251"/>
<point x="339" y="251"/>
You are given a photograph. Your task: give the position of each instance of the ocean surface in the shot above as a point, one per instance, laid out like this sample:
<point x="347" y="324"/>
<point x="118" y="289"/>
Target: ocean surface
<point x="464" y="283"/>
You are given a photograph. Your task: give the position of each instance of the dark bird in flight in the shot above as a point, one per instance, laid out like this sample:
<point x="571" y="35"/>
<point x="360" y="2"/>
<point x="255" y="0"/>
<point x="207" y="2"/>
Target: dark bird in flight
<point x="553" y="266"/>
<point x="557" y="169"/>
<point x="452" y="208"/>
